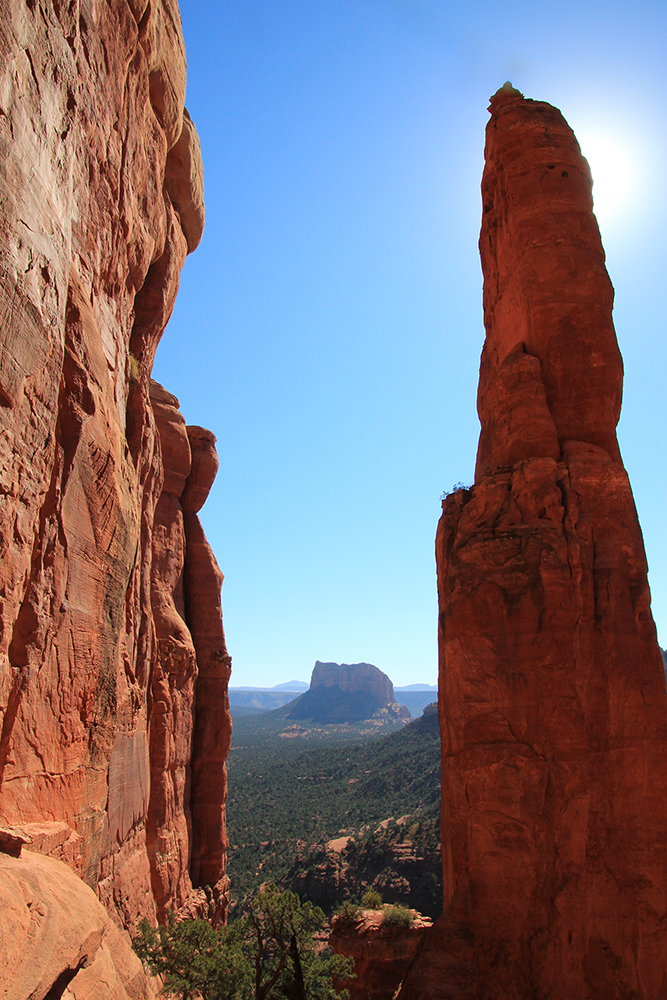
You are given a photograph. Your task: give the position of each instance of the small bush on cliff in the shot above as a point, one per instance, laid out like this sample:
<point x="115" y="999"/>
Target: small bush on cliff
<point x="371" y="899"/>
<point x="269" y="953"/>
<point x="349" y="911"/>
<point x="398" y="916"/>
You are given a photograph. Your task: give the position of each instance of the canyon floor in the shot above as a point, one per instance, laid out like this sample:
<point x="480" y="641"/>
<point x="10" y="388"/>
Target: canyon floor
<point x="331" y="810"/>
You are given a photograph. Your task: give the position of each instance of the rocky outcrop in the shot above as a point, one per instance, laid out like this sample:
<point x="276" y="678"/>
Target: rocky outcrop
<point x="399" y="859"/>
<point x="190" y="723"/>
<point x="114" y="723"/>
<point x="212" y="733"/>
<point x="553" y="709"/>
<point x="57" y="940"/>
<point x="382" y="952"/>
<point x="352" y="677"/>
<point x="346" y="692"/>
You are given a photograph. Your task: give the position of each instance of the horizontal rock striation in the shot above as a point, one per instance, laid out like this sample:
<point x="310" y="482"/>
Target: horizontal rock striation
<point x="114" y="722"/>
<point x="553" y="708"/>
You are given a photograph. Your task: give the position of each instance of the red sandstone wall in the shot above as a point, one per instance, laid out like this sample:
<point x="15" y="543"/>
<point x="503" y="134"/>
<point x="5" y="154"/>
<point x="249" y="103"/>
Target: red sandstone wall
<point x="101" y="198"/>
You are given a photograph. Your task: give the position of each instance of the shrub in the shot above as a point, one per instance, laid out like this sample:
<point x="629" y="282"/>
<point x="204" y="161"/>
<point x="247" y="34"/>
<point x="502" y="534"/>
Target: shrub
<point x="349" y="911"/>
<point x="398" y="916"/>
<point x="371" y="899"/>
<point x="455" y="489"/>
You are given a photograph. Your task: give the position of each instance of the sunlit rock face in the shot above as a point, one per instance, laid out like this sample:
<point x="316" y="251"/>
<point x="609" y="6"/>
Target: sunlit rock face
<point x="552" y="697"/>
<point x="113" y="667"/>
<point x="59" y="941"/>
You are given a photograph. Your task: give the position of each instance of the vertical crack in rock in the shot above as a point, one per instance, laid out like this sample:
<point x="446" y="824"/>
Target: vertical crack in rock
<point x="62" y="982"/>
<point x="552" y="700"/>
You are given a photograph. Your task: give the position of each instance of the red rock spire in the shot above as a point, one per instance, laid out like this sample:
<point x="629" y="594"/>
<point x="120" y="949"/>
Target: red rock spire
<point x="552" y="701"/>
<point x="551" y="369"/>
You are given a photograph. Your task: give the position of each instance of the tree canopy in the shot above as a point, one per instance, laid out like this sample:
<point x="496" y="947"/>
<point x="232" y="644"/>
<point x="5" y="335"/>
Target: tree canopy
<point x="267" y="954"/>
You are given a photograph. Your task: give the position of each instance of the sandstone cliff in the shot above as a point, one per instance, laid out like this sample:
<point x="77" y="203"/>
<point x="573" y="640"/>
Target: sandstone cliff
<point x="346" y="692"/>
<point x="552" y="694"/>
<point x="114" y="723"/>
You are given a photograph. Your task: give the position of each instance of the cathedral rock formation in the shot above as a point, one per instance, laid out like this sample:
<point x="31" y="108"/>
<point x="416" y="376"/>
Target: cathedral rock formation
<point x="553" y="709"/>
<point x="114" y="723"/>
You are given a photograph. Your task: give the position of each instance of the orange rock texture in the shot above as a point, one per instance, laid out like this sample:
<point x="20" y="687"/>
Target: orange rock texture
<point x="114" y="722"/>
<point x="57" y="940"/>
<point x="382" y="953"/>
<point x="553" y="709"/>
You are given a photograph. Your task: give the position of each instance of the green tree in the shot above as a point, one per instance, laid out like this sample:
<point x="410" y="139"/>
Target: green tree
<point x="269" y="953"/>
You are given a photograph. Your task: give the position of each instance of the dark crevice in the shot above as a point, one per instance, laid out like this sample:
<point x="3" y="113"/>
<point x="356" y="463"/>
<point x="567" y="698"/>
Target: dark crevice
<point x="63" y="981"/>
<point x="11" y="711"/>
<point x="32" y="70"/>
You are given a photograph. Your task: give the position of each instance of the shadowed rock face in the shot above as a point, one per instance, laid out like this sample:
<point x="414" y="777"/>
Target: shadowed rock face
<point x="381" y="952"/>
<point x="112" y="692"/>
<point x="551" y="369"/>
<point x="553" y="710"/>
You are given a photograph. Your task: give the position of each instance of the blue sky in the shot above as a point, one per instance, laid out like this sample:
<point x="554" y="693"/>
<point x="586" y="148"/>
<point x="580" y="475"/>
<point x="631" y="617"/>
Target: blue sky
<point x="328" y="328"/>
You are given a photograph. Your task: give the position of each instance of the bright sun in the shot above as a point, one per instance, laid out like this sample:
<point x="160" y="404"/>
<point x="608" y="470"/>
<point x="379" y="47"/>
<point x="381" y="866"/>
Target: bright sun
<point x="615" y="174"/>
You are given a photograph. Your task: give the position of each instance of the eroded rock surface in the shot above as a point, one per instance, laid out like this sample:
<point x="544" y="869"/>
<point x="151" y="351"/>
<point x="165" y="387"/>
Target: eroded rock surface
<point x="552" y="692"/>
<point x="382" y="953"/>
<point x="211" y="740"/>
<point x="101" y="669"/>
<point x="57" y="940"/>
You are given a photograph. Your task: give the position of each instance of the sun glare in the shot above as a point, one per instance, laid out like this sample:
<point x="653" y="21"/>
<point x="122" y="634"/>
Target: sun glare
<point x="615" y="175"/>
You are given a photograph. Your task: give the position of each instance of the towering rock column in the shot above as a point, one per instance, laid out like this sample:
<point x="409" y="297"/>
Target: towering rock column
<point x="212" y="733"/>
<point x="553" y="709"/>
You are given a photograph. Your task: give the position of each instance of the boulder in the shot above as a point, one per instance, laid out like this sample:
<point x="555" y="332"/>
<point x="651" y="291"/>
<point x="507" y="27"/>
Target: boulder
<point x="57" y="940"/>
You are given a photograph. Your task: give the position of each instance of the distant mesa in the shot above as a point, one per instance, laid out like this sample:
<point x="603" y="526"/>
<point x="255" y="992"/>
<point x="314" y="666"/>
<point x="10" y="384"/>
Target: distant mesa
<point x="347" y="692"/>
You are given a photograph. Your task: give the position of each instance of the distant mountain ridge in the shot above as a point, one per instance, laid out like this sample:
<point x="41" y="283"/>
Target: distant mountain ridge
<point x="416" y="687"/>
